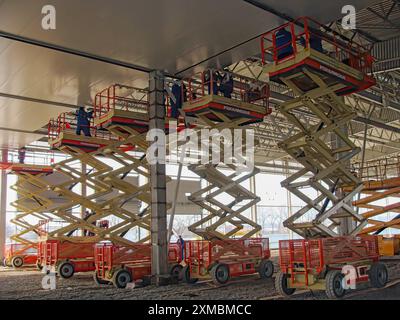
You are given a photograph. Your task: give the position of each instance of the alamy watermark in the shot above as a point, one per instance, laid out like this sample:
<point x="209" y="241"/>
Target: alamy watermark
<point x="349" y="280"/>
<point x="49" y="280"/>
<point x="49" y="17"/>
<point x="349" y="21"/>
<point x="205" y="146"/>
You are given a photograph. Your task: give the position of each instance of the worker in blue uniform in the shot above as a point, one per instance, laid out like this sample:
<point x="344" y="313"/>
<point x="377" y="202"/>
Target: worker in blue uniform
<point x="83" y="122"/>
<point x="181" y="244"/>
<point x="176" y="101"/>
<point x="226" y="86"/>
<point x="21" y="155"/>
<point x="315" y="42"/>
<point x="211" y="81"/>
<point x="284" y="44"/>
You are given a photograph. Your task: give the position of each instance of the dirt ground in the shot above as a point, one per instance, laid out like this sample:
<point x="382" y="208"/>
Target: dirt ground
<point x="26" y="285"/>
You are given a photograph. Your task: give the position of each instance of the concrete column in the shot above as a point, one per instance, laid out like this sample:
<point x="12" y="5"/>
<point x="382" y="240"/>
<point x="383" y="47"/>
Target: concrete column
<point x="3" y="205"/>
<point x="159" y="237"/>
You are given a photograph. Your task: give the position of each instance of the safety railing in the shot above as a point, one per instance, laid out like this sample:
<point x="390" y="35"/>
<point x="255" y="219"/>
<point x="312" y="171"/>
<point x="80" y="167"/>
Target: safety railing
<point x="206" y="252"/>
<point x="120" y="97"/>
<point x="306" y="256"/>
<point x="227" y="84"/>
<point x="29" y="156"/>
<point x="67" y="123"/>
<point x="14" y="249"/>
<point x="287" y="41"/>
<point x="108" y="255"/>
<point x="380" y="169"/>
<point x="50" y="225"/>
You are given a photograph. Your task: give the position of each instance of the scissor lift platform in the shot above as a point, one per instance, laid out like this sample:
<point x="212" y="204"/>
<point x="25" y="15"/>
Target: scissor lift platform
<point x="203" y="98"/>
<point x="33" y="169"/>
<point x="344" y="67"/>
<point x="332" y="72"/>
<point x="88" y="144"/>
<point x="120" y="105"/>
<point x="231" y="108"/>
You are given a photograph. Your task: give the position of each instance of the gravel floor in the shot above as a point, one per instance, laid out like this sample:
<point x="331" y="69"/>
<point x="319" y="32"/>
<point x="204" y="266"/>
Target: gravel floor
<point x="26" y="284"/>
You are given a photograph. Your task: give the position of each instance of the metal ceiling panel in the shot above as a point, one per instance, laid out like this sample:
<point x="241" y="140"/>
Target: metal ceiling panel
<point x="13" y="139"/>
<point x="171" y="35"/>
<point x="168" y="35"/>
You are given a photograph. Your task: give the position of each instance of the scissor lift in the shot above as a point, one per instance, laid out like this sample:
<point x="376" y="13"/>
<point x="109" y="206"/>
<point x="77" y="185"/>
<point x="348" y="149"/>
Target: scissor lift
<point x="327" y="263"/>
<point x="215" y="108"/>
<point x="379" y="196"/>
<point x="121" y="265"/>
<point x="378" y="201"/>
<point x="108" y="189"/>
<point x="101" y="179"/>
<point x="31" y="205"/>
<point x="317" y="77"/>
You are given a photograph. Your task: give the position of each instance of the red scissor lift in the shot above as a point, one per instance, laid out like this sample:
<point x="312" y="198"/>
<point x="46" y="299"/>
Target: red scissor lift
<point x="18" y="255"/>
<point x="223" y="259"/>
<point x="318" y="264"/>
<point x="121" y="265"/>
<point x="317" y="64"/>
<point x="206" y="96"/>
<point x="61" y="132"/>
<point x="68" y="257"/>
<point x="122" y="106"/>
<point x="248" y="102"/>
<point x="341" y="60"/>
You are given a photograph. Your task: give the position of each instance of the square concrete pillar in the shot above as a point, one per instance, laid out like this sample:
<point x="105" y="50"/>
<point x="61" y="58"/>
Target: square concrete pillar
<point x="159" y="240"/>
<point x="3" y="204"/>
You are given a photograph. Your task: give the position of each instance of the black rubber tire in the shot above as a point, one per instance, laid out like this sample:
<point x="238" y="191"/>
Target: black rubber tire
<point x="334" y="284"/>
<point x="99" y="281"/>
<point x="281" y="285"/>
<point x="176" y="272"/>
<point x="266" y="269"/>
<point x="378" y="275"/>
<point x="66" y="270"/>
<point x="4" y="262"/>
<point x="17" y="262"/>
<point x="220" y="273"/>
<point x="121" y="278"/>
<point x="186" y="276"/>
